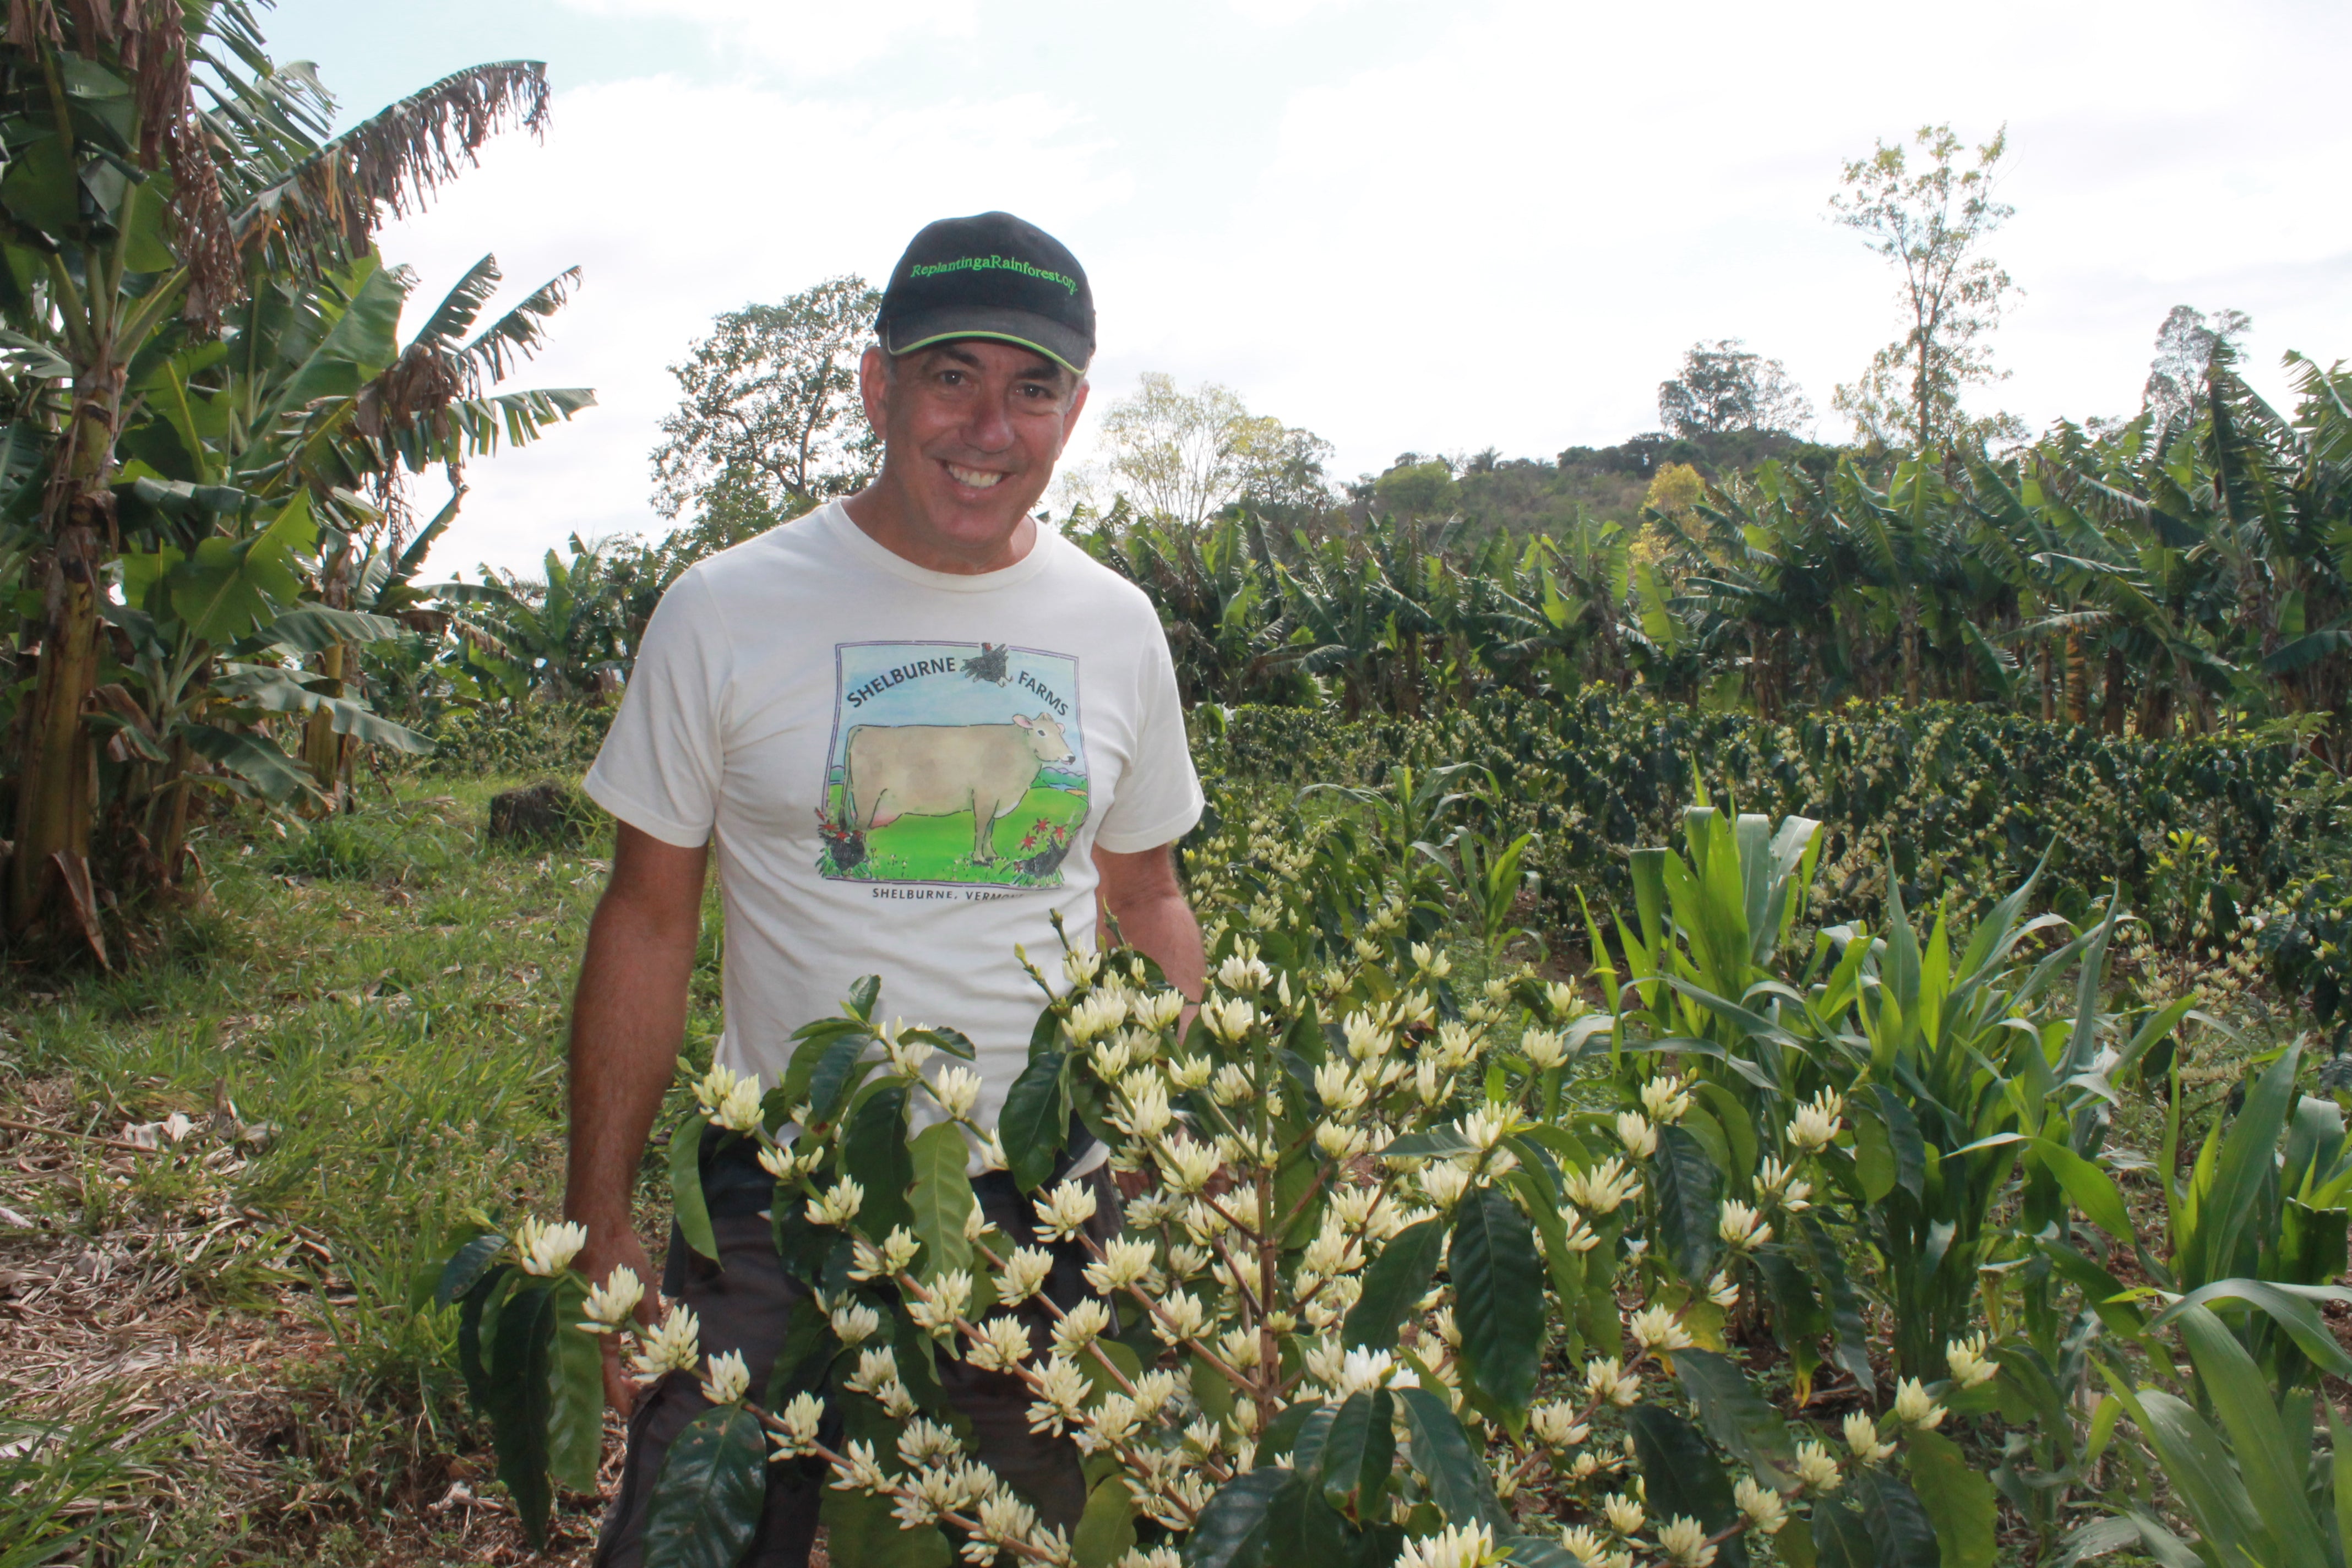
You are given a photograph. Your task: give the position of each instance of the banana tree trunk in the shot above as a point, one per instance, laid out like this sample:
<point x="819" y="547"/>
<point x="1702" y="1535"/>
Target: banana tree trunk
<point x="2078" y="679"/>
<point x="1910" y="654"/>
<point x="54" y="789"/>
<point x="53" y="792"/>
<point x="2116" y="698"/>
<point x="170" y="829"/>
<point x="322" y="749"/>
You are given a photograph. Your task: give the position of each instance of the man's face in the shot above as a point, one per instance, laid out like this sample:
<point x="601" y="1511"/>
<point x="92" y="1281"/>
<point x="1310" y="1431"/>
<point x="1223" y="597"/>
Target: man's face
<point x="971" y="429"/>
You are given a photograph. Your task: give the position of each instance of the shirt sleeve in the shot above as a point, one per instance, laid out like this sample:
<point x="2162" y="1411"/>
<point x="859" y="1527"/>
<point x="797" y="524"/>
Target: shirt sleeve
<point x="660" y="766"/>
<point x="1158" y="799"/>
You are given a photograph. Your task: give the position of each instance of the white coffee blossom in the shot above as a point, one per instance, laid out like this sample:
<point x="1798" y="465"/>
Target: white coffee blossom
<point x="1970" y="1367"/>
<point x="1096" y="1015"/>
<point x="1762" y="1507"/>
<point x="1862" y="1437"/>
<point x="1456" y="1546"/>
<point x="726" y="1379"/>
<point x="1002" y="1344"/>
<point x="1741" y="1228"/>
<point x="1667" y="1099"/>
<point x="1915" y="1407"/>
<point x="548" y="1249"/>
<point x="1605" y="1377"/>
<point x="1604" y="1189"/>
<point x="1684" y="1540"/>
<point x="674" y="1345"/>
<point x="855" y="1322"/>
<point x="1544" y="1048"/>
<point x="1657" y="1329"/>
<point x="609" y="1305"/>
<point x="1065" y="1212"/>
<point x="838" y="1205"/>
<point x="957" y="1091"/>
<point x="1229" y="1019"/>
<point x="1244" y="971"/>
<point x="1817" y="1468"/>
<point x="1635" y="1131"/>
<point x="1555" y="1426"/>
<point x="1815" y="1125"/>
<point x="1125" y="1262"/>
<point x="800" y="1420"/>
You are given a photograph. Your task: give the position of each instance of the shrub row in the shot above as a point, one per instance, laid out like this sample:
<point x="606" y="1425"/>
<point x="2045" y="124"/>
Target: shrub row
<point x="2207" y="837"/>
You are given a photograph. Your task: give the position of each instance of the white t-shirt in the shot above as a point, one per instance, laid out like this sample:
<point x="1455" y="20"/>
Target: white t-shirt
<point x="905" y="771"/>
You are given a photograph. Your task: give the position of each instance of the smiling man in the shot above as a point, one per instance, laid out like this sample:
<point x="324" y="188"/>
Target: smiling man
<point x="915" y="726"/>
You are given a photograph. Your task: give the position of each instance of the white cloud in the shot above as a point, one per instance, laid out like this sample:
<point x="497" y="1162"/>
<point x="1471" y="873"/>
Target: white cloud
<point x="1490" y="224"/>
<point x="805" y="38"/>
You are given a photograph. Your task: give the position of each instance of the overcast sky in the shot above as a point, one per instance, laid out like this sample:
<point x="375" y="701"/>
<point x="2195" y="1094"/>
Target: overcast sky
<point x="1431" y="228"/>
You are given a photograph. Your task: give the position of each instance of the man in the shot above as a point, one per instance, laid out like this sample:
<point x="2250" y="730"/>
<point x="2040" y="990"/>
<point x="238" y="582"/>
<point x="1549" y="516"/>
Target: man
<point x="915" y="724"/>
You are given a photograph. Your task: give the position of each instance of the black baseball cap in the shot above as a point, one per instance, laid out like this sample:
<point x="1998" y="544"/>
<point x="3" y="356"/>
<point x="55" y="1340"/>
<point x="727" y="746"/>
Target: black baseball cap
<point x="989" y="276"/>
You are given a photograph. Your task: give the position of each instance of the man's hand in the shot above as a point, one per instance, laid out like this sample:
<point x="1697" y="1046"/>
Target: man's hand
<point x="628" y="1018"/>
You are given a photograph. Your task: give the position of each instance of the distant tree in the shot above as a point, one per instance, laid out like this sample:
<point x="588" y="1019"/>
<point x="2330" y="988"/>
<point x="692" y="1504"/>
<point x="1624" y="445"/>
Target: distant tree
<point x="1285" y="477"/>
<point x="1674" y="488"/>
<point x="1724" y="386"/>
<point x="1415" y="487"/>
<point x="1186" y="456"/>
<point x="1931" y="226"/>
<point x="2185" y="347"/>
<point x="769" y="424"/>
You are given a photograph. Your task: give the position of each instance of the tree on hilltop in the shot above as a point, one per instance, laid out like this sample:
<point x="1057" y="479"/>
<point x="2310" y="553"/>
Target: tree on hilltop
<point x="1931" y="225"/>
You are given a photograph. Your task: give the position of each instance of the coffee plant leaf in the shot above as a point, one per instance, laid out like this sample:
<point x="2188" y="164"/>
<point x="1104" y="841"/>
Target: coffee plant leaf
<point x="1455" y="1473"/>
<point x="1106" y="1529"/>
<point x="1687" y="1186"/>
<point x="1682" y="1478"/>
<point x="942" y="1198"/>
<point x="1958" y="1499"/>
<point x="575" y="1389"/>
<point x="521" y="1391"/>
<point x="1901" y="1532"/>
<point x="1359" y="1452"/>
<point x="861" y="1529"/>
<point x="1397" y="1280"/>
<point x="1232" y="1530"/>
<point x="1035" y="1120"/>
<point x="1851" y="1346"/>
<point x="1736" y="1415"/>
<point x="467" y="1266"/>
<point x="873" y="1154"/>
<point x="1499" y="1301"/>
<point x="686" y="1187"/>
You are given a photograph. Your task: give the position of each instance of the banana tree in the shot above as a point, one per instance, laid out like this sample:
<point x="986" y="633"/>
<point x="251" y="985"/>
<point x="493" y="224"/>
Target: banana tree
<point x="139" y="200"/>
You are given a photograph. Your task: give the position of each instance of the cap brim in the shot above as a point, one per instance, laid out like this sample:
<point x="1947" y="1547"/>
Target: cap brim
<point x="1056" y="341"/>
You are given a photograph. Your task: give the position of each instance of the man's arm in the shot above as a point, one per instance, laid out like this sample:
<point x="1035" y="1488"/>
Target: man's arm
<point x="1141" y="893"/>
<point x="628" y="1020"/>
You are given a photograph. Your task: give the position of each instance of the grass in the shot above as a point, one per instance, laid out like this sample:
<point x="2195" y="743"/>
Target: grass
<point x="364" y="1030"/>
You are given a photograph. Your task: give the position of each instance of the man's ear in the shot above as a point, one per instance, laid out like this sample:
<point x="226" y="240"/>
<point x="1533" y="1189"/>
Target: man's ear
<point x="874" y="387"/>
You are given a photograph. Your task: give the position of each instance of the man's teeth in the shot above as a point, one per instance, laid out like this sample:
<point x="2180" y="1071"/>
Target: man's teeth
<point x="977" y="479"/>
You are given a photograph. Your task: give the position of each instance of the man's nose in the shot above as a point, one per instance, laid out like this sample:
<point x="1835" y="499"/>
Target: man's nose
<point x="988" y="428"/>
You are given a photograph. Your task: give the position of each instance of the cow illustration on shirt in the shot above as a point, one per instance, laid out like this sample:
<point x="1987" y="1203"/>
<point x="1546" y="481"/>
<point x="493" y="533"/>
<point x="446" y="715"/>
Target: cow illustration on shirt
<point x="939" y="770"/>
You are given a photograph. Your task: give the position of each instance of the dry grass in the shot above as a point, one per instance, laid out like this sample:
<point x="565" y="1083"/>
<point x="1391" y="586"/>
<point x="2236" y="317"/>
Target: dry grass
<point x="219" y="1176"/>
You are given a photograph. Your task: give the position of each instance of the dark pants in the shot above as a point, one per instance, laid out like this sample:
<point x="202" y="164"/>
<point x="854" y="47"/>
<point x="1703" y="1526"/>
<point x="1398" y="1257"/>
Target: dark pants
<point x="743" y="1307"/>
